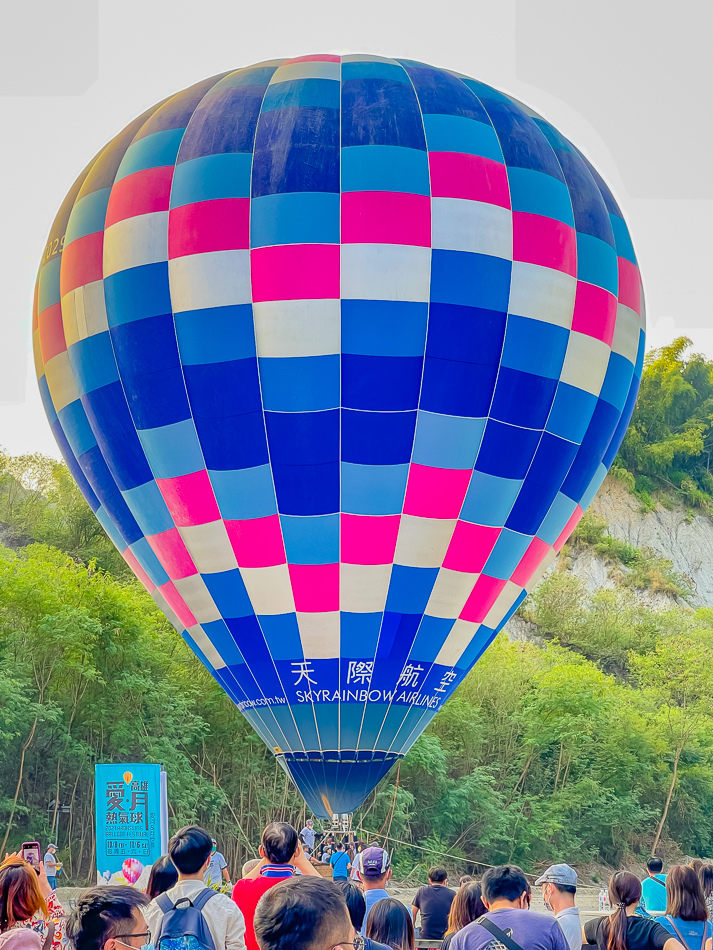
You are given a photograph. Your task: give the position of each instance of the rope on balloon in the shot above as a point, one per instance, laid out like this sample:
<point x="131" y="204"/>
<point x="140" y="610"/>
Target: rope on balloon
<point x="371" y="835"/>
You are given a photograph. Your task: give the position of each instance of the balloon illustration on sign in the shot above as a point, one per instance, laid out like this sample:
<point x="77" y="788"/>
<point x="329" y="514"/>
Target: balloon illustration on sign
<point x="131" y="869"/>
<point x="128" y="777"/>
<point x="338" y="350"/>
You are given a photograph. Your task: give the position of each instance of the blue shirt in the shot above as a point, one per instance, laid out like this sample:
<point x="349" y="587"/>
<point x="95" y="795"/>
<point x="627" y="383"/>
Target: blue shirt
<point x="694" y="932"/>
<point x="340" y="863"/>
<point x="370" y="898"/>
<point x="653" y="893"/>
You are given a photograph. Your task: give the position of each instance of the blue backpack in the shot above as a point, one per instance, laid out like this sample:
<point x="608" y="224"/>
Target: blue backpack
<point x="184" y="927"/>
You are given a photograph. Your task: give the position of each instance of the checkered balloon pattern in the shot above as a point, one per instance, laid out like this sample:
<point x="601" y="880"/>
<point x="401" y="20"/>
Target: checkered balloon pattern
<point x="338" y="350"/>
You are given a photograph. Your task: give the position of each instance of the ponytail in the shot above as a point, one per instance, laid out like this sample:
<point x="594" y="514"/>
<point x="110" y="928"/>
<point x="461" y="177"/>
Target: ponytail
<point x="624" y="890"/>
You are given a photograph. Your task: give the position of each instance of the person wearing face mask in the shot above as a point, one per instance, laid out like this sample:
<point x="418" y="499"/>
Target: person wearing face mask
<point x="559" y="886"/>
<point x="109" y="918"/>
<point x="190" y="850"/>
<point x="218" y="866"/>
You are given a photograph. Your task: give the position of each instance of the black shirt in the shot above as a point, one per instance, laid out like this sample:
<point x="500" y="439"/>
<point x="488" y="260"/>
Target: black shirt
<point x="434" y="901"/>
<point x="641" y="933"/>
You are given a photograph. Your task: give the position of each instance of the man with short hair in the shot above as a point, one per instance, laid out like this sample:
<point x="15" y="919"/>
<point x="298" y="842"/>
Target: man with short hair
<point x="218" y="867"/>
<point x="559" y="886"/>
<point x="374" y="869"/>
<point x="340" y="863"/>
<point x="281" y="855"/>
<point x="506" y="894"/>
<point x="50" y="863"/>
<point x="653" y="887"/>
<point x="304" y="913"/>
<point x="109" y="918"/>
<point x="434" y="901"/>
<point x="190" y="850"/>
<point x="307" y="836"/>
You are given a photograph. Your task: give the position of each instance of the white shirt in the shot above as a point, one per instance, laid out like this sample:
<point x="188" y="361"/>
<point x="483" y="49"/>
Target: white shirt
<point x="224" y="918"/>
<point x="571" y="926"/>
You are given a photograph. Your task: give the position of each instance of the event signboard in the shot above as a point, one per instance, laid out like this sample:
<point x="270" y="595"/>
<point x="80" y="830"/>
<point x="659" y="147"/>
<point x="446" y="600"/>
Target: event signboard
<point x="131" y="825"/>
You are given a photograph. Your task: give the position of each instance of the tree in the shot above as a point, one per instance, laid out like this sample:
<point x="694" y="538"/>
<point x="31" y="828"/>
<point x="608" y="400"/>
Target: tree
<point x="677" y="677"/>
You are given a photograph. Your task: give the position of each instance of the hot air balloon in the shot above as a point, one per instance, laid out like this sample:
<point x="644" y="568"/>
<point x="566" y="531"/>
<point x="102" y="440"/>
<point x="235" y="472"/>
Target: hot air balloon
<point x="338" y="350"/>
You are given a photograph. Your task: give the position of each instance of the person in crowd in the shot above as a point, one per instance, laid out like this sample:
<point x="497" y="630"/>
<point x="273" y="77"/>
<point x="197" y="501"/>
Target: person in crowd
<point x="624" y="929"/>
<point x="109" y="918"/>
<point x="190" y="850"/>
<point x="307" y="836"/>
<point x="281" y="855"/>
<point x="653" y="887"/>
<point x="217" y="868"/>
<point x="433" y="901"/>
<point x="506" y="894"/>
<point x="51" y="865"/>
<point x="163" y="876"/>
<point x="374" y="868"/>
<point x="28" y="902"/>
<point x="340" y="863"/>
<point x="696" y="864"/>
<point x="356" y="905"/>
<point x="467" y="906"/>
<point x="686" y="911"/>
<point x="390" y="923"/>
<point x="465" y="879"/>
<point x="249" y="866"/>
<point x="705" y="875"/>
<point x="303" y="913"/>
<point x="559" y="887"/>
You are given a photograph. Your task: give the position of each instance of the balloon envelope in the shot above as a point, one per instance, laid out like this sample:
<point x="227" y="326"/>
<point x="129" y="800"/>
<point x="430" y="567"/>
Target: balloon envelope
<point x="338" y="350"/>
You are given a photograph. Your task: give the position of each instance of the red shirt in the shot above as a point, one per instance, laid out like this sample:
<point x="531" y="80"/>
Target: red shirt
<point x="248" y="892"/>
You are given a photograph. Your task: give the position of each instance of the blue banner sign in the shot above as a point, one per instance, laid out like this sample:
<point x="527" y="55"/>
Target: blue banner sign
<point x="130" y="831"/>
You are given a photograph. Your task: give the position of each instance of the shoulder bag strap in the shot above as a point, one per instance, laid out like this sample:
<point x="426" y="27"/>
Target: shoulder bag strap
<point x="498" y="933"/>
<point x="164" y="902"/>
<point x="203" y="897"/>
<point x="50" y="935"/>
<point x="680" y="935"/>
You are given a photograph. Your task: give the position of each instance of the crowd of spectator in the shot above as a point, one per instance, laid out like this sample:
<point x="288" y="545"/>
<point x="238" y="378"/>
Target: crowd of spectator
<point x="284" y="901"/>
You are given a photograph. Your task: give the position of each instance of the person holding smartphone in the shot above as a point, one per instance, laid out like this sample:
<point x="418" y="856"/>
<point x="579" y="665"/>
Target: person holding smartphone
<point x="30" y="901"/>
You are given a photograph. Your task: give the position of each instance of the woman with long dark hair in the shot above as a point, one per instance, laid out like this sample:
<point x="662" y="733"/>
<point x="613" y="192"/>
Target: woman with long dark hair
<point x="623" y="930"/>
<point x="467" y="906"/>
<point x="163" y="876"/>
<point x="686" y="911"/>
<point x="705" y="876"/>
<point x="390" y="923"/>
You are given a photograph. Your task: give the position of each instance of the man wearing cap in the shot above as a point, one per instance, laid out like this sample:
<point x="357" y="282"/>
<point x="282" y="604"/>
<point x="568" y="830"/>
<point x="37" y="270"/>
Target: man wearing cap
<point x="559" y="886"/>
<point x="374" y="869"/>
<point x="218" y="866"/>
<point x="50" y="863"/>
<point x="307" y="836"/>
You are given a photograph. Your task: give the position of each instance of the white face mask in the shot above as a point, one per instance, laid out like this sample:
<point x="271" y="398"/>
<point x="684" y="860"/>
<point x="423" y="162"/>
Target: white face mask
<point x="548" y="906"/>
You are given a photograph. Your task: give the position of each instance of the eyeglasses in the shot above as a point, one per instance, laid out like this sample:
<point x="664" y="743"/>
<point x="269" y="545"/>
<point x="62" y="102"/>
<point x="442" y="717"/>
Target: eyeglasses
<point x="358" y="943"/>
<point x="147" y="934"/>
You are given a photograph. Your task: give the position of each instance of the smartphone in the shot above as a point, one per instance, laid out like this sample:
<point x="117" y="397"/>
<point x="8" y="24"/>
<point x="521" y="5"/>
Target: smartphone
<point x="31" y="853"/>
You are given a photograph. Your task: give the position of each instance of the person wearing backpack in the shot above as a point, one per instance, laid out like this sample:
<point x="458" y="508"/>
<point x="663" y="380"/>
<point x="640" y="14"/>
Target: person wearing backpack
<point x="189" y="915"/>
<point x="686" y="912"/>
<point x="653" y="887"/>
